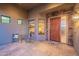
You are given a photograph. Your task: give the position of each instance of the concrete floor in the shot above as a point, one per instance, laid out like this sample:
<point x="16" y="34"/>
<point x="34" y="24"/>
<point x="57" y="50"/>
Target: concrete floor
<point x="36" y="48"/>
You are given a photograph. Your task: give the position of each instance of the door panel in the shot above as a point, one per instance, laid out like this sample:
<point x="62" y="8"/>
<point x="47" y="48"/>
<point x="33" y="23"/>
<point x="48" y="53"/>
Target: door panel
<point x="55" y="29"/>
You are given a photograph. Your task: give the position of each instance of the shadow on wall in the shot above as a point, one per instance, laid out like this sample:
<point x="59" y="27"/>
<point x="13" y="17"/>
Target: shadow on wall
<point x="6" y="31"/>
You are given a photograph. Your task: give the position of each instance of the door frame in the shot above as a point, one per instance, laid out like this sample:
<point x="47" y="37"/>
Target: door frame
<point x="48" y="20"/>
<point x="49" y="27"/>
<point x="56" y="36"/>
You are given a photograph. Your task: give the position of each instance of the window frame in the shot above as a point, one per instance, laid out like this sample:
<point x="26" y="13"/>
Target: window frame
<point x="41" y="21"/>
<point x="5" y="16"/>
<point x="21" y="22"/>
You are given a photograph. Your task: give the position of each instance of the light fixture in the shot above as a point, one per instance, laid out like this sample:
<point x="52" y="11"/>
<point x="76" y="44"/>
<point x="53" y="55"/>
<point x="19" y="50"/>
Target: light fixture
<point x="76" y="16"/>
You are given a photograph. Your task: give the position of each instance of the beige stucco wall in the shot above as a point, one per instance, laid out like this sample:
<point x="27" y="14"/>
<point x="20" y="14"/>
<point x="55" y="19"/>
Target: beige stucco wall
<point x="38" y="11"/>
<point x="13" y="11"/>
<point x="76" y="36"/>
<point x="76" y="30"/>
<point x="7" y="30"/>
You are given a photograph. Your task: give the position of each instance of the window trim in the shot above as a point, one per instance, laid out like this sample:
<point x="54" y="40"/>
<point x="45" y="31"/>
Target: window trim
<point x="5" y="16"/>
<point x="21" y="22"/>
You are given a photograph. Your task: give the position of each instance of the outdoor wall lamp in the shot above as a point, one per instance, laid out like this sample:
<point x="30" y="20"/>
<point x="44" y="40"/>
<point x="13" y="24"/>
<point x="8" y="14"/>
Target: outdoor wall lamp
<point x="76" y="17"/>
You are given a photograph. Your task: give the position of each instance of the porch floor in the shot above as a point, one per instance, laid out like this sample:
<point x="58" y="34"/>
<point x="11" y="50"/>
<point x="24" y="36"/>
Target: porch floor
<point x="37" y="48"/>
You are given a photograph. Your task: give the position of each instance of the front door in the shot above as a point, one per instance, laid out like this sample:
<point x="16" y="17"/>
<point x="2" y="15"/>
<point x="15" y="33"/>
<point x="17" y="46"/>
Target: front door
<point x="55" y="29"/>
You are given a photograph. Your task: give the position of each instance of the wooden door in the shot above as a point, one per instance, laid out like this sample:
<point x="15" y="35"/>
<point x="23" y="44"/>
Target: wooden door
<point x="55" y="29"/>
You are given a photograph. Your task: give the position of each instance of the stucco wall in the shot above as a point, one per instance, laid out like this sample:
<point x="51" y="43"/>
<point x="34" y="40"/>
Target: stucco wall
<point x="13" y="11"/>
<point x="76" y="30"/>
<point x="39" y="13"/>
<point x="76" y="36"/>
<point x="6" y="30"/>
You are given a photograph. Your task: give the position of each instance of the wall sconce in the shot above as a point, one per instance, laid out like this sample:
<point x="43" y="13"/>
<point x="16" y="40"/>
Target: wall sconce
<point x="76" y="16"/>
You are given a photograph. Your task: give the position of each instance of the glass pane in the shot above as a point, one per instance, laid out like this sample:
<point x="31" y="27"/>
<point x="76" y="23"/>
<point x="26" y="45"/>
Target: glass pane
<point x="19" y="21"/>
<point x="41" y="27"/>
<point x="5" y="19"/>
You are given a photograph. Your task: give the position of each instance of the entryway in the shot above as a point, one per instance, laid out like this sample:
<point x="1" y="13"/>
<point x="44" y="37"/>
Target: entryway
<point x="55" y="29"/>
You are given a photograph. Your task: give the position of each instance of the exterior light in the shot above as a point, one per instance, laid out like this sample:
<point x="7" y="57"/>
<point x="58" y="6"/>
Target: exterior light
<point x="76" y="16"/>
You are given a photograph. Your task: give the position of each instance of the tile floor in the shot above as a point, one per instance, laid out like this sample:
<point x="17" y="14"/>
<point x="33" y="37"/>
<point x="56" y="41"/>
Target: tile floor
<point x="36" y="48"/>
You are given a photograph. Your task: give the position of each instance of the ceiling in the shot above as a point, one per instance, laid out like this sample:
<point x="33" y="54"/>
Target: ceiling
<point x="28" y="6"/>
<point x="63" y="7"/>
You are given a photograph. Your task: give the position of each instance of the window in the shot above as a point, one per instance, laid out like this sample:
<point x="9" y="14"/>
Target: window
<point x="5" y="19"/>
<point x="31" y="27"/>
<point x="41" y="27"/>
<point x="19" y="21"/>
